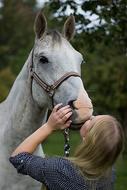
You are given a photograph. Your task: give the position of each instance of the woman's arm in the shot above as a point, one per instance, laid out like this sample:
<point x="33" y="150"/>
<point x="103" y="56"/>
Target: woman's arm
<point x="59" y="119"/>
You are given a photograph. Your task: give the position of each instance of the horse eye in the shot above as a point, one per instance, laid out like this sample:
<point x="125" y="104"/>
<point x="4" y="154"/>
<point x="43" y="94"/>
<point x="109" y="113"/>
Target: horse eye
<point x="43" y="59"/>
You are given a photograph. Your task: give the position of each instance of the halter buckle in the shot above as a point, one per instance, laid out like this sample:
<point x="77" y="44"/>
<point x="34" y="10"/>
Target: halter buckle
<point x="50" y="90"/>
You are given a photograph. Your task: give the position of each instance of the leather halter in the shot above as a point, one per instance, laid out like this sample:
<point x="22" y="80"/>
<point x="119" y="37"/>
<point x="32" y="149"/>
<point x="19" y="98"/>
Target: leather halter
<point x="50" y="89"/>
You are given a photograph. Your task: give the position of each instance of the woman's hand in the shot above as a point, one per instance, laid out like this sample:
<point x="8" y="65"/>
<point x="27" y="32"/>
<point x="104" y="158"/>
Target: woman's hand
<point x="59" y="118"/>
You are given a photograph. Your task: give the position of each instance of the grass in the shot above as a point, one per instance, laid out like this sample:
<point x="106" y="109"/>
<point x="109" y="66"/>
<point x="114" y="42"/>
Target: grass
<point x="121" y="174"/>
<point x="54" y="145"/>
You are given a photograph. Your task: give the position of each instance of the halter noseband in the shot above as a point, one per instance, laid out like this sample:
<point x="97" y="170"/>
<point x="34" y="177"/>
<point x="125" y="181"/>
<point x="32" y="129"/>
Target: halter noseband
<point x="50" y="89"/>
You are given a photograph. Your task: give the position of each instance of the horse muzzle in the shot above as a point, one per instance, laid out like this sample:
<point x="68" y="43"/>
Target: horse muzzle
<point x="80" y="114"/>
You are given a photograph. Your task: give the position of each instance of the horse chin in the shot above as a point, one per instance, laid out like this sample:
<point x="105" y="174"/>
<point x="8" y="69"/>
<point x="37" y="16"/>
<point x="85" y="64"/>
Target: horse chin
<point x="79" y="119"/>
<point x="76" y="126"/>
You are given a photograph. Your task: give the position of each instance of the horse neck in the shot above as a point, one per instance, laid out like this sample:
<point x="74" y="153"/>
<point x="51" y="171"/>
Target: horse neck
<point x="23" y="114"/>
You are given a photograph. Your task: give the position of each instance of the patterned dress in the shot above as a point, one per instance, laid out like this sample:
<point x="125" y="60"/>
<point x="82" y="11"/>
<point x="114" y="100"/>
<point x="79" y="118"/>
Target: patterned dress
<point x="57" y="173"/>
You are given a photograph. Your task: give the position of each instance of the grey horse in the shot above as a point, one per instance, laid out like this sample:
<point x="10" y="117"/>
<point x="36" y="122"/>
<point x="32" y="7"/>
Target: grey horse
<point x="25" y="109"/>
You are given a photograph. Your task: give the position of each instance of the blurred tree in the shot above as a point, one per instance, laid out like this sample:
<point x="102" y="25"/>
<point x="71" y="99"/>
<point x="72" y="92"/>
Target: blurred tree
<point x="16" y="34"/>
<point x="6" y="79"/>
<point x="16" y="39"/>
<point x="112" y="16"/>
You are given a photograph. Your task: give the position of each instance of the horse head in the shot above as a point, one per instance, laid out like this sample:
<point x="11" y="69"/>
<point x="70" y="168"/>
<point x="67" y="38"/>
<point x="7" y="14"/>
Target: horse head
<point x="53" y="58"/>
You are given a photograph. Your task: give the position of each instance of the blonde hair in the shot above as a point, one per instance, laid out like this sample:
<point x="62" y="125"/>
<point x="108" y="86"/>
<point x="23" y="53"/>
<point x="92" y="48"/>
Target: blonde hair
<point x="100" y="148"/>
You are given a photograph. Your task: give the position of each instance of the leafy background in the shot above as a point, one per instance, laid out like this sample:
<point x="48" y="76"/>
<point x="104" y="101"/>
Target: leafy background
<point x="101" y="36"/>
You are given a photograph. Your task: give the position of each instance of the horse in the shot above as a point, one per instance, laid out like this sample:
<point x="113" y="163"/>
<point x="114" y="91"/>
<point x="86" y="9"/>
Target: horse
<point x="50" y="75"/>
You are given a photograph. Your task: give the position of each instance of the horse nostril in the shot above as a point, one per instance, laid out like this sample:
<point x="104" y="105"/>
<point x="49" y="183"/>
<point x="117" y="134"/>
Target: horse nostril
<point x="71" y="104"/>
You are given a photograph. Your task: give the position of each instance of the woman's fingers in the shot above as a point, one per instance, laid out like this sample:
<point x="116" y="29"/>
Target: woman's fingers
<point x="64" y="108"/>
<point x="66" y="125"/>
<point x="64" y="112"/>
<point x="61" y="116"/>
<point x="66" y="116"/>
<point x="61" y="111"/>
<point x="57" y="107"/>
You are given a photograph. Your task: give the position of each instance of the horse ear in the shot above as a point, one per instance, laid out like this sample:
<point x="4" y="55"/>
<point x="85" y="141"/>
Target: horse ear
<point x="40" y="25"/>
<point x="69" y="28"/>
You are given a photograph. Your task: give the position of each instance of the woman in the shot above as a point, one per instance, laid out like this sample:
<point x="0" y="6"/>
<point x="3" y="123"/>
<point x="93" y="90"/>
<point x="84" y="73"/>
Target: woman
<point x="91" y="166"/>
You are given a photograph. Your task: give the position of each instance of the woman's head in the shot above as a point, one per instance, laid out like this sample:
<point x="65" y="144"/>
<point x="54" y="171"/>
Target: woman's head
<point x="102" y="144"/>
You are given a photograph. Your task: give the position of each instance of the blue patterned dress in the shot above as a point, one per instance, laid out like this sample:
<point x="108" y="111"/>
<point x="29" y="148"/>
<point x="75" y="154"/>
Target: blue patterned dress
<point x="57" y="173"/>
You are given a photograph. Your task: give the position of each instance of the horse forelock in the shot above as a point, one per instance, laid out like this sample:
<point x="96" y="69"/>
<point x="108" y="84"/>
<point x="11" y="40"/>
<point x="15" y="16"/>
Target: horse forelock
<point x="55" y="35"/>
<point x="51" y="38"/>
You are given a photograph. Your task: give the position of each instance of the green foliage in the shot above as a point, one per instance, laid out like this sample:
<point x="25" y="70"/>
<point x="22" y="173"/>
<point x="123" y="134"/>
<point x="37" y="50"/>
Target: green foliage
<point x="57" y="140"/>
<point x="121" y="174"/>
<point x="6" y="80"/>
<point x="16" y="37"/>
<point x="16" y="33"/>
<point x="105" y="73"/>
